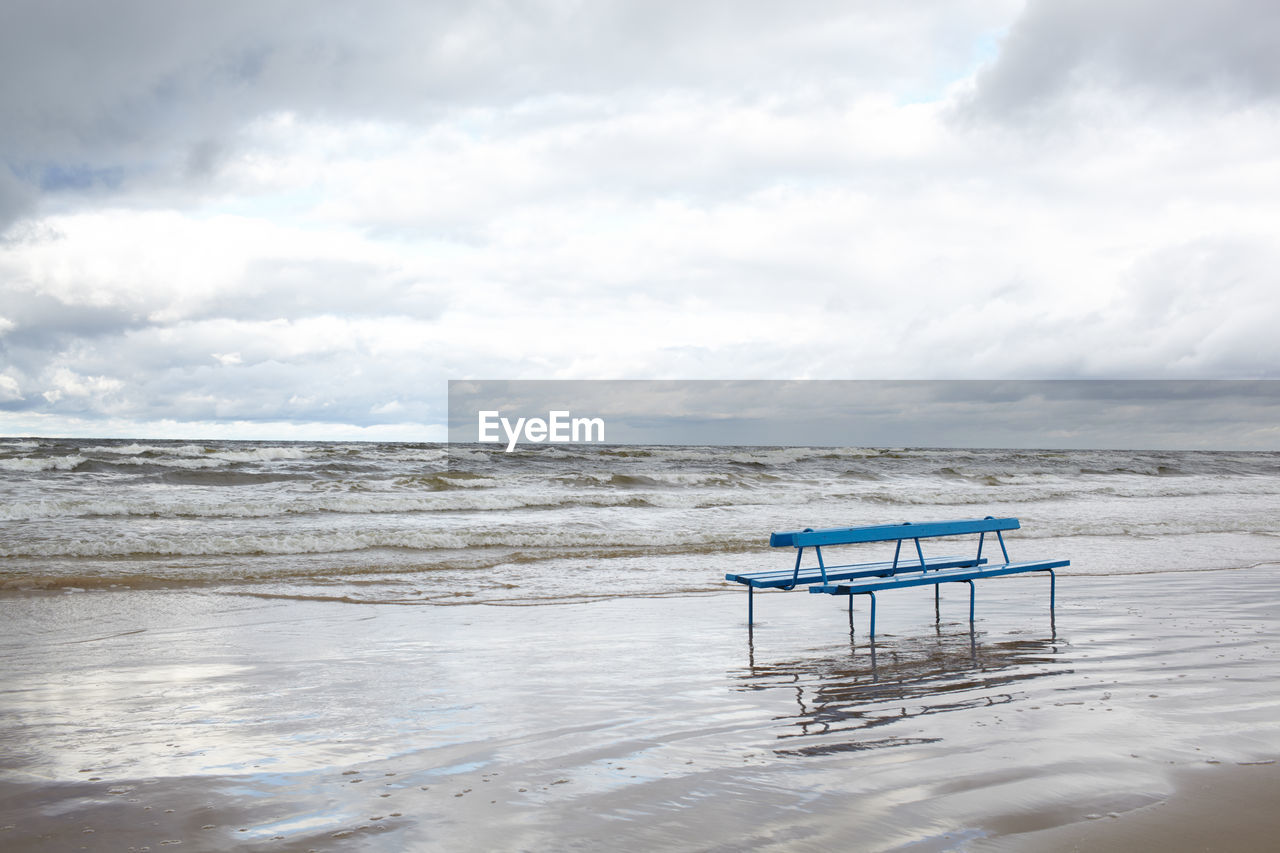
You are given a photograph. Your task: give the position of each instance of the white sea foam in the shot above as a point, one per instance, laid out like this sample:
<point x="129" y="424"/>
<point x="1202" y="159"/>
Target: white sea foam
<point x="211" y="504"/>
<point x="599" y="540"/>
<point x="419" y="455"/>
<point x="33" y="464"/>
<point x="331" y="542"/>
<point x="262" y="454"/>
<point x="191" y="464"/>
<point x="163" y="454"/>
<point x="136" y="449"/>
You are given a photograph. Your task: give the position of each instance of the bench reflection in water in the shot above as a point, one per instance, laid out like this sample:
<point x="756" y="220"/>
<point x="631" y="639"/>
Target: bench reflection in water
<point x="857" y="699"/>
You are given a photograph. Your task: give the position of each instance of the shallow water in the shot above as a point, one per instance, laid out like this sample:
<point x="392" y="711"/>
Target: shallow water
<point x="219" y="719"/>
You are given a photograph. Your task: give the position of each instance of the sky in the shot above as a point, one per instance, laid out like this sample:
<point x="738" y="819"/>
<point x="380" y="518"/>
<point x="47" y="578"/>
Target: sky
<point x="300" y="220"/>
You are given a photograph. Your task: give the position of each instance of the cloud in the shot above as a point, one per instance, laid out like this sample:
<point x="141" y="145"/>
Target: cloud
<point x="1206" y="49"/>
<point x="307" y="212"/>
<point x="9" y="390"/>
<point x="42" y="424"/>
<point x="67" y="385"/>
<point x="16" y="198"/>
<point x="104" y="98"/>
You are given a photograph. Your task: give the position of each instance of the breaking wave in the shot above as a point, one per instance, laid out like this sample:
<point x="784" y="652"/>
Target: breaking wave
<point x="133" y="514"/>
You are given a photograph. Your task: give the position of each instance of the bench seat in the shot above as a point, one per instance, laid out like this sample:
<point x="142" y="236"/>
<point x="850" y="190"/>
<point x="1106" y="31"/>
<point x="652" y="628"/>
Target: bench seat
<point x="951" y="575"/>
<point x="957" y="574"/>
<point x="787" y="578"/>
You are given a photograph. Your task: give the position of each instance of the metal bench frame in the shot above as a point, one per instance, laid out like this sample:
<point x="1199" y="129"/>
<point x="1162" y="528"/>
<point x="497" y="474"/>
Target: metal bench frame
<point x="877" y="577"/>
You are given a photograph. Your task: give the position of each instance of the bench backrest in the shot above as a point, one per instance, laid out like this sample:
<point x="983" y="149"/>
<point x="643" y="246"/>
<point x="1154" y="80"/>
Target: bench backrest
<point x="889" y="532"/>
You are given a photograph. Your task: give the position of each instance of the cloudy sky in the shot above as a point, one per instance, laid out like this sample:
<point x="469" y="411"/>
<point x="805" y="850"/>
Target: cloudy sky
<point x="300" y="219"/>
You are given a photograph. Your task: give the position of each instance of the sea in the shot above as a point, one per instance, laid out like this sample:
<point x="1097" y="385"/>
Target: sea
<point x="437" y="524"/>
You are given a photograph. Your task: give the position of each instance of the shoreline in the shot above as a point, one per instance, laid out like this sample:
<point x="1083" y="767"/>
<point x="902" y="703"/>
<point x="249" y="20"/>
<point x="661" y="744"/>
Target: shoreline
<point x="651" y="723"/>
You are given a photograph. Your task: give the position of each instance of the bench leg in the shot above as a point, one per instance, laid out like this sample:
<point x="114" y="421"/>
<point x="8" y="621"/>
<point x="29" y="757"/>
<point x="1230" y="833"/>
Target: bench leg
<point x="970" y="583"/>
<point x="1053" y="617"/>
<point x="873" y="613"/>
<point x="937" y="603"/>
<point x="751" y="597"/>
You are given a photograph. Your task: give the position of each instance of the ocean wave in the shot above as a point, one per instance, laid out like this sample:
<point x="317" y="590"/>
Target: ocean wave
<point x="1146" y="528"/>
<point x="676" y="455"/>
<point x="36" y="464"/>
<point x="284" y="494"/>
<point x="764" y="456"/>
<point x="136" y="449"/>
<point x="418" y="455"/>
<point x="164" y="454"/>
<point x="342" y="541"/>
<point x="238" y="511"/>
<point x="134" y="464"/>
<point x="446" y="480"/>
<point x="351" y="503"/>
<point x="263" y="454"/>
<point x="223" y="477"/>
<point x="81" y="583"/>
<point x="652" y="478"/>
<point x="981" y="492"/>
<point x="533" y="543"/>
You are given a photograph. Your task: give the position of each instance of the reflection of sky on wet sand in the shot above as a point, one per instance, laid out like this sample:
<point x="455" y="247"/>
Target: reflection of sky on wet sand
<point x="641" y="722"/>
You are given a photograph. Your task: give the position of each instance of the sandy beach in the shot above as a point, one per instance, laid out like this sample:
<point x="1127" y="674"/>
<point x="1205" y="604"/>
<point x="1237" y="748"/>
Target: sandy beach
<point x="1145" y="711"/>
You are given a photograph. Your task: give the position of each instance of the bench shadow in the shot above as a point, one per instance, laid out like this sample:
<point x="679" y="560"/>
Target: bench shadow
<point x="849" y="700"/>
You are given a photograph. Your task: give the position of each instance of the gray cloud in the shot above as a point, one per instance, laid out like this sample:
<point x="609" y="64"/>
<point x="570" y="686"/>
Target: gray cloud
<point x="42" y="322"/>
<point x="102" y="95"/>
<point x="293" y="288"/>
<point x="16" y="196"/>
<point x="313" y="211"/>
<point x="223" y="370"/>
<point x="1222" y="49"/>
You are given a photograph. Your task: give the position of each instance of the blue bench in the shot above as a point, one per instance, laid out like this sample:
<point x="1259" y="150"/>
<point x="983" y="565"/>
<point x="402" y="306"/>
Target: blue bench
<point x="870" y="578"/>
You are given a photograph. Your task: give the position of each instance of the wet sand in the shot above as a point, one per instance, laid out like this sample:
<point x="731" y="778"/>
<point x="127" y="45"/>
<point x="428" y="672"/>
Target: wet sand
<point x="1211" y="808"/>
<point x="1137" y="717"/>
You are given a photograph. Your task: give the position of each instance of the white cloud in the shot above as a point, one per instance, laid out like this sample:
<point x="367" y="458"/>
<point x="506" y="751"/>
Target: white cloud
<point x="81" y="391"/>
<point x="28" y="423"/>
<point x="9" y="390"/>
<point x="331" y="222"/>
